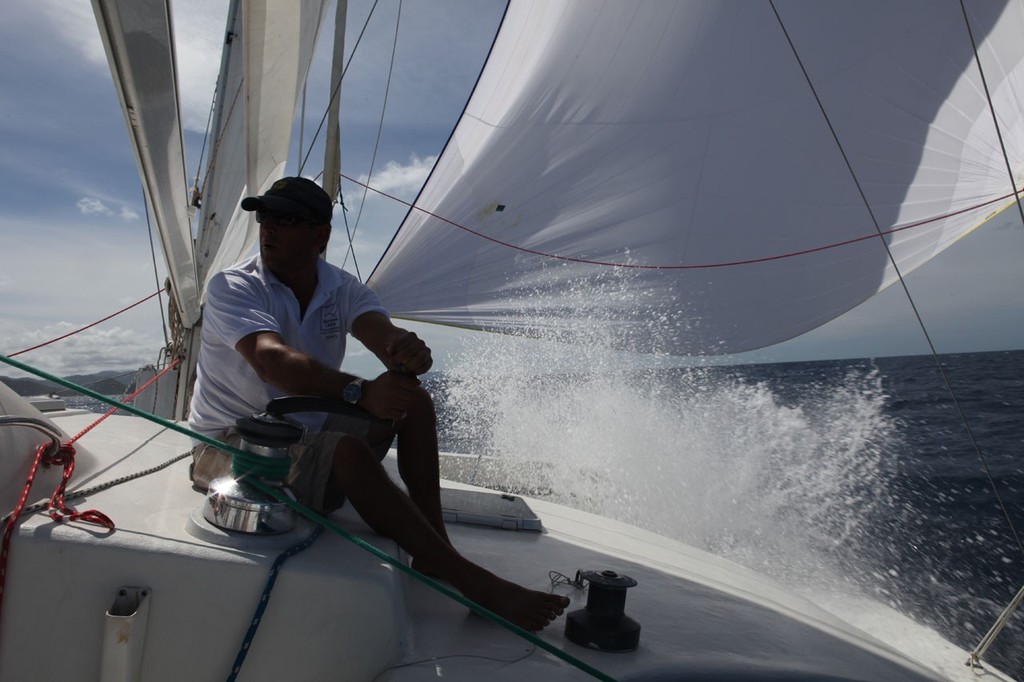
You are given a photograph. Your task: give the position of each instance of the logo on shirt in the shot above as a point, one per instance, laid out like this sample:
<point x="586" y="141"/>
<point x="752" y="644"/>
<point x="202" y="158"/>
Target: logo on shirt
<point x="330" y="323"/>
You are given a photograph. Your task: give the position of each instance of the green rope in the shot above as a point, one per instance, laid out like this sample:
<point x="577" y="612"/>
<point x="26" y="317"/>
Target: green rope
<point x="248" y="465"/>
<point x="326" y="523"/>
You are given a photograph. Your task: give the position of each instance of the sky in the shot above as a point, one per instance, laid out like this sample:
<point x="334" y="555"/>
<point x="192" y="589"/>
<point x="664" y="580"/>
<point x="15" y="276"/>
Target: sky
<point x="74" y="241"/>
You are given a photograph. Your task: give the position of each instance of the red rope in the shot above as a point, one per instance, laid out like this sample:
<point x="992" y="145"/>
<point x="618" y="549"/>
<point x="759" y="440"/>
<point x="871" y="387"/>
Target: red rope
<point x="5" y="547"/>
<point x="57" y="508"/>
<point x="128" y="399"/>
<point x="764" y="259"/>
<point x="88" y="326"/>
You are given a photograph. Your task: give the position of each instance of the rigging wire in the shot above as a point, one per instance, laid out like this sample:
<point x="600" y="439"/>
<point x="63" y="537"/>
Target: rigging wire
<point x="376" y="144"/>
<point x="335" y="93"/>
<point x="1020" y="210"/>
<point x="224" y="115"/>
<point x="892" y="260"/>
<point x="337" y="88"/>
<point x="196" y="193"/>
<point x="302" y="127"/>
<point x="899" y="274"/>
<point x="1004" y="617"/>
<point x="156" y="275"/>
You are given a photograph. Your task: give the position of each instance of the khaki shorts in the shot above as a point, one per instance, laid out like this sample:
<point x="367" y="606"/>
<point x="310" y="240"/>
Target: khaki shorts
<point x="312" y="458"/>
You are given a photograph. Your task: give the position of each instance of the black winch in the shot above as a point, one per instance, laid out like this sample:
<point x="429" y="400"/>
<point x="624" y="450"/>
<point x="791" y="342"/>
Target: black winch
<point x="603" y="624"/>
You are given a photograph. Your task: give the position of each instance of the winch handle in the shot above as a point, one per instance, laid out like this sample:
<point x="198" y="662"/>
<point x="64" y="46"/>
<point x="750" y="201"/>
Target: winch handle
<point x="291" y="404"/>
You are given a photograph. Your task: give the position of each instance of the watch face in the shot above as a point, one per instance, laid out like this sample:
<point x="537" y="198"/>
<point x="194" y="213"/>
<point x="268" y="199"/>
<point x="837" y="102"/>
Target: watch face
<point x="353" y="392"/>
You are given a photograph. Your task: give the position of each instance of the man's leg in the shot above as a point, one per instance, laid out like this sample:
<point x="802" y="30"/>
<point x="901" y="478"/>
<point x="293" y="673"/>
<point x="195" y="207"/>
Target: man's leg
<point x="418" y="463"/>
<point x="391" y="512"/>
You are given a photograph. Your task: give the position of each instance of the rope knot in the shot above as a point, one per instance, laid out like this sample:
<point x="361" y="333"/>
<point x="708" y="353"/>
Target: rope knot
<point x="60" y="456"/>
<point x="58" y="509"/>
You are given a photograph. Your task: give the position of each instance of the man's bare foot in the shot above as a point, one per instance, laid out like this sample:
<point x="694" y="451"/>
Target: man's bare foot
<point x="531" y="610"/>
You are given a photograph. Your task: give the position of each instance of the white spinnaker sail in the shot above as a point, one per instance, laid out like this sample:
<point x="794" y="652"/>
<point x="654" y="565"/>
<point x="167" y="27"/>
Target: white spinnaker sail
<point x="710" y="177"/>
<point x="139" y="42"/>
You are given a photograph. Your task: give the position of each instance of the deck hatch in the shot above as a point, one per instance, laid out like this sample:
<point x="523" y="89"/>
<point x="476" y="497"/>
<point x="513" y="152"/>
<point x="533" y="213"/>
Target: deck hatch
<point x="497" y="510"/>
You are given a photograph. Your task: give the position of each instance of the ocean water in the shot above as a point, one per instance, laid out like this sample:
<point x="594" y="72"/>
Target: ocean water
<point x="854" y="476"/>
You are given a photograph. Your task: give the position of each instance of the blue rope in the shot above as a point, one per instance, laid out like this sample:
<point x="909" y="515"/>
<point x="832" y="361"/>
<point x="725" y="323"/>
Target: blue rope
<point x="257" y="617"/>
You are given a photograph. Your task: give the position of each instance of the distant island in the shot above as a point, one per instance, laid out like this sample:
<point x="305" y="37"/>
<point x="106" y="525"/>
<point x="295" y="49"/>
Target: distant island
<point x="109" y="382"/>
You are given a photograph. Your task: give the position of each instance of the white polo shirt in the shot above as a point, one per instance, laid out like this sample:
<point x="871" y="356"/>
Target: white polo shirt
<point x="248" y="298"/>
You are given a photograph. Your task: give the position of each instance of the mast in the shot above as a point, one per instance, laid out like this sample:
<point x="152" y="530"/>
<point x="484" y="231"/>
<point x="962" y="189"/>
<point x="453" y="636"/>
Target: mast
<point x="332" y="148"/>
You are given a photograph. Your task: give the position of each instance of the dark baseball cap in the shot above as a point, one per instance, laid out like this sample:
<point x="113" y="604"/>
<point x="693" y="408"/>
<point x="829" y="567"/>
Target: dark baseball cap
<point x="293" y="196"/>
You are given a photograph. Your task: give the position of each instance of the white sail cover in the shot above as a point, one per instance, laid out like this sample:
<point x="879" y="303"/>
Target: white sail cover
<point x="710" y="177"/>
<point x="139" y="42"/>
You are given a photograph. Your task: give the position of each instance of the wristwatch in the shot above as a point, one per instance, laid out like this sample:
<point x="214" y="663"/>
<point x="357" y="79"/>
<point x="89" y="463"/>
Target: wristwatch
<point x="353" y="391"/>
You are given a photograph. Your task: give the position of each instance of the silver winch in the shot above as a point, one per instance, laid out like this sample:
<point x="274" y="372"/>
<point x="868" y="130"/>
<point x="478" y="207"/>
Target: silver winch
<point x="233" y="502"/>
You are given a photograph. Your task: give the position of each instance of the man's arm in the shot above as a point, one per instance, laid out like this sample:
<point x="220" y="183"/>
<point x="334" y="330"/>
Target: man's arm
<point x="397" y="348"/>
<point x="296" y="373"/>
<point x="290" y="370"/>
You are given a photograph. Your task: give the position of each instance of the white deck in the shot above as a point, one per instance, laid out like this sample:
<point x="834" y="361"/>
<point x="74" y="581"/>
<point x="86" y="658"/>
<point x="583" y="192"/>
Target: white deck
<point x="337" y="612"/>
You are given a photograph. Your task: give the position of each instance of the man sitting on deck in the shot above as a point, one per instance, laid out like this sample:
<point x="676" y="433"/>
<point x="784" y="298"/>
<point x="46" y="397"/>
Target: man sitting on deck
<point x="276" y="325"/>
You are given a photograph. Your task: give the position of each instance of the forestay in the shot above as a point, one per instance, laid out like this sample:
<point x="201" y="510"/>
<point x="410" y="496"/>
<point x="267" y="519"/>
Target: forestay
<point x="710" y="177"/>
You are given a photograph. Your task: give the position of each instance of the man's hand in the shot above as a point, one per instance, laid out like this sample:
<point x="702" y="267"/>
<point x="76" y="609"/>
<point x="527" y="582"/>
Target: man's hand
<point x="399" y="349"/>
<point x="389" y="395"/>
<point x="409" y="353"/>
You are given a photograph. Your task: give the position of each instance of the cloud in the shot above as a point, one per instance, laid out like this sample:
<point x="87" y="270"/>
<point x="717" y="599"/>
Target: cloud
<point x="403" y="181"/>
<point x="198" y="27"/>
<point x="199" y="31"/>
<point x="91" y="205"/>
<point x="94" y="206"/>
<point x="76" y="25"/>
<point x="96" y="268"/>
<point x="93" y="350"/>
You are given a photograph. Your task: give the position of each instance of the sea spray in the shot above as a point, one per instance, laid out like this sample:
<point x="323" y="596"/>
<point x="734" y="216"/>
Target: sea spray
<point x="778" y="482"/>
